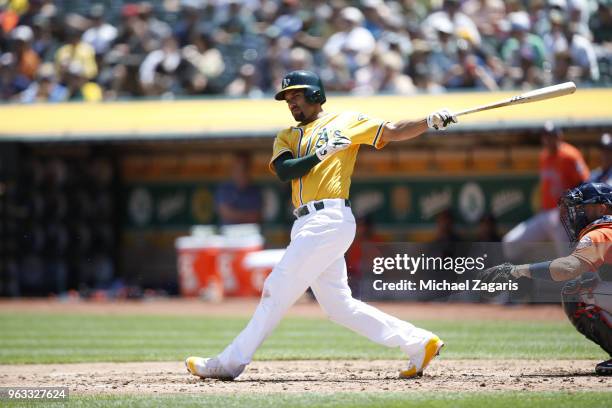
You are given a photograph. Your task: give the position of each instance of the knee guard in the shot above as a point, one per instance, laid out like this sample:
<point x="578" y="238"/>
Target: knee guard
<point x="589" y="319"/>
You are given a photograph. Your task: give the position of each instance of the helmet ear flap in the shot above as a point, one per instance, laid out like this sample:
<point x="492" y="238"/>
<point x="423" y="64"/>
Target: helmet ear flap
<point x="315" y="96"/>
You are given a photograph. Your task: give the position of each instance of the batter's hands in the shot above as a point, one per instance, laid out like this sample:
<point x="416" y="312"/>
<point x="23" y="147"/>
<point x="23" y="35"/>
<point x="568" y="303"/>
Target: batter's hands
<point x="441" y="119"/>
<point x="499" y="273"/>
<point x="333" y="146"/>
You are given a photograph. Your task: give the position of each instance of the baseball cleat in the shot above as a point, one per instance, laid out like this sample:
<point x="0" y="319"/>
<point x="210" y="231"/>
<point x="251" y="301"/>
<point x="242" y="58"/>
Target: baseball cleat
<point x="432" y="349"/>
<point x="604" y="368"/>
<point x="207" y="368"/>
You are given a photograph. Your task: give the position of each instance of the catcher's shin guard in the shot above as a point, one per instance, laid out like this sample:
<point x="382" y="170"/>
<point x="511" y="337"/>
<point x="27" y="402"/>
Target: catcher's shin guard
<point x="589" y="319"/>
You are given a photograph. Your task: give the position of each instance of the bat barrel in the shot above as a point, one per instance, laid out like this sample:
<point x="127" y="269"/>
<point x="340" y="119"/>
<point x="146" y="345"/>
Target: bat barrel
<point x="541" y="94"/>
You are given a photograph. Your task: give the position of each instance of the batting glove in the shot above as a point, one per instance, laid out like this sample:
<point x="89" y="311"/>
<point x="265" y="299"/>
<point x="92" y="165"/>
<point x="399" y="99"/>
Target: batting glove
<point x="441" y="119"/>
<point x="333" y="146"/>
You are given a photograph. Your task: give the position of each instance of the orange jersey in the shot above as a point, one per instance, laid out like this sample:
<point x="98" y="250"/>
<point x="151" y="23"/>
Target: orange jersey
<point x="595" y="245"/>
<point x="558" y="172"/>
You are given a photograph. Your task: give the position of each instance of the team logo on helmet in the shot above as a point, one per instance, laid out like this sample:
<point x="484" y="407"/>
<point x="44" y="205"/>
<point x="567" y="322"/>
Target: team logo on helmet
<point x="286" y="82"/>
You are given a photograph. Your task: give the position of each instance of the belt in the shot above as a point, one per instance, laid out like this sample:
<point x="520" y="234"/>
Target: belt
<point x="317" y="205"/>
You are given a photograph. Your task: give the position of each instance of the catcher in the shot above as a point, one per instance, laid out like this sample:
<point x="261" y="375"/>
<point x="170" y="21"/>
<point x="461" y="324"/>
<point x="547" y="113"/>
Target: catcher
<point x="586" y="214"/>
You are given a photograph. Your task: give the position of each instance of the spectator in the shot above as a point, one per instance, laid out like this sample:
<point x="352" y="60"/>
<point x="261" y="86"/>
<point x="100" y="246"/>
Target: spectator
<point x="11" y="83"/>
<point x="444" y="245"/>
<point x="45" y="44"/>
<point x="235" y="28"/>
<point x="487" y="229"/>
<point x="601" y="24"/>
<point x="579" y="12"/>
<point x="117" y="73"/>
<point x="368" y="79"/>
<point x="446" y="230"/>
<point x="561" y="167"/>
<point x="312" y="36"/>
<point x="444" y="54"/>
<point x="459" y="21"/>
<point x="289" y="21"/>
<point x="583" y="55"/>
<point x="395" y="39"/>
<point x="245" y="84"/>
<point x="9" y="19"/>
<point x="524" y="53"/>
<point x="157" y="29"/>
<point x="29" y="10"/>
<point x="336" y="75"/>
<point x="300" y="59"/>
<point x="187" y="26"/>
<point x="539" y="11"/>
<point x="101" y="34"/>
<point x="206" y="59"/>
<point x="337" y="39"/>
<point x="46" y="88"/>
<point x="603" y="174"/>
<point x="27" y="59"/>
<point x="354" y="41"/>
<point x="272" y="65"/>
<point x="565" y="42"/>
<point x="133" y="41"/>
<point x="418" y="68"/>
<point x="470" y="71"/>
<point x="239" y="201"/>
<point x="373" y="11"/>
<point x="485" y="14"/>
<point x="76" y="51"/>
<point x="562" y="64"/>
<point x="79" y="87"/>
<point x="387" y="77"/>
<point x="166" y="72"/>
<point x="424" y="82"/>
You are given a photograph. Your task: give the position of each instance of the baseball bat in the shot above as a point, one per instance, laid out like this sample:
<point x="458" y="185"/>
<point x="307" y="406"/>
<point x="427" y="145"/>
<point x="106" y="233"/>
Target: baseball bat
<point x="541" y="94"/>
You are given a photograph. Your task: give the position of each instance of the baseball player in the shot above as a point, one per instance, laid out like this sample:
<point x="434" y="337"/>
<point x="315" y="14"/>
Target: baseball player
<point x="603" y="174"/>
<point x="561" y="167"/>
<point x="586" y="214"/>
<point x="318" y="156"/>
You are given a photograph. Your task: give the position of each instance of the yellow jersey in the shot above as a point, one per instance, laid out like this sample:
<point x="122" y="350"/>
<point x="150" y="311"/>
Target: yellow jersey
<point x="332" y="177"/>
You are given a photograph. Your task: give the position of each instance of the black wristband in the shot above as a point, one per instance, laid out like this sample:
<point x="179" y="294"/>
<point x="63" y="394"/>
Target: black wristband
<point x="540" y="270"/>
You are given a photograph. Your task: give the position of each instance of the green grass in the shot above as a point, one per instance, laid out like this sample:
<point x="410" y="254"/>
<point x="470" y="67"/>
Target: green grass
<point x="52" y="338"/>
<point x="350" y="400"/>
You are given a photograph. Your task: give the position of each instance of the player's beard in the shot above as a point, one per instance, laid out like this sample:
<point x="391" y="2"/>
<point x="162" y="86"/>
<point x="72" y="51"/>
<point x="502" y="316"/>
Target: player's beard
<point x="298" y="115"/>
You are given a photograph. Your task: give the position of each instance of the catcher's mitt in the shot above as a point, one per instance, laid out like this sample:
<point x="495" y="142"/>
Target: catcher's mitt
<point x="498" y="273"/>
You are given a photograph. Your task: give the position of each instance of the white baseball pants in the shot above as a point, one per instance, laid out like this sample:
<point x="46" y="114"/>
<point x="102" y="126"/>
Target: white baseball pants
<point x="545" y="226"/>
<point x="315" y="258"/>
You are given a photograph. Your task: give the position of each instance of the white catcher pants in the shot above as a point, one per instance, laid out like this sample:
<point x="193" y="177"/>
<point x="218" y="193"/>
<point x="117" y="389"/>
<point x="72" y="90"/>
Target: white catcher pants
<point x="315" y="258"/>
<point x="544" y="226"/>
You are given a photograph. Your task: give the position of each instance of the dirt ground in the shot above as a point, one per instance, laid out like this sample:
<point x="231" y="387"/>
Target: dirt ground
<point x="304" y="308"/>
<point x="302" y="376"/>
<point x="319" y="376"/>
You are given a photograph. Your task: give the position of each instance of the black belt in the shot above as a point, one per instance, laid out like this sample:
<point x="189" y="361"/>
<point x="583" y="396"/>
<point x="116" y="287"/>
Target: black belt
<point x="318" y="205"/>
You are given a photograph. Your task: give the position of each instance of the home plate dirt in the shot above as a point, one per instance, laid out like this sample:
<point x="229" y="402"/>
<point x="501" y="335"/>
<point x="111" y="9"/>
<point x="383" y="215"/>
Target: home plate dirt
<point x="320" y="376"/>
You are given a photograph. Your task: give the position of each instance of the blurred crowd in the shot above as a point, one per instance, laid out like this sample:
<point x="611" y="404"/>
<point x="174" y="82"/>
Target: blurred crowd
<point x="87" y="50"/>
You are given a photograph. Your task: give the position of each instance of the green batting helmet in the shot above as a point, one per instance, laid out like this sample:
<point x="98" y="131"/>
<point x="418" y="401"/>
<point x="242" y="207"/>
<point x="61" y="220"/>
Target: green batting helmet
<point x="306" y="80"/>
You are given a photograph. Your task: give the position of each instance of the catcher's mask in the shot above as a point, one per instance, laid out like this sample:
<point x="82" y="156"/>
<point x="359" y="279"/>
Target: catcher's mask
<point x="306" y="80"/>
<point x="572" y="202"/>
